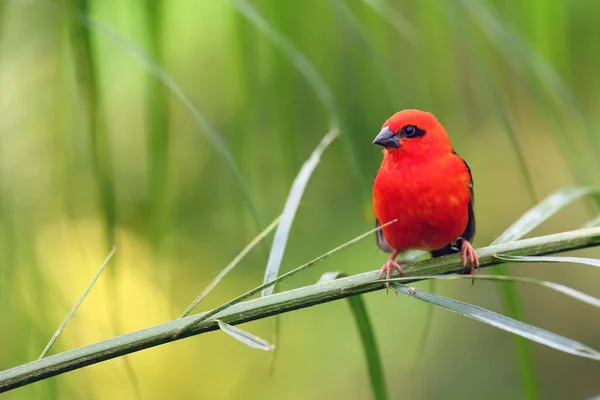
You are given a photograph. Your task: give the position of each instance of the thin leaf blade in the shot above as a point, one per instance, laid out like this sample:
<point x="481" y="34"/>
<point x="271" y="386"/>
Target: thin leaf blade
<point x="169" y="82"/>
<point x="78" y="303"/>
<point x="290" y="208"/>
<point x="500" y="321"/>
<point x="247" y="338"/>
<point x="258" y="289"/>
<point x="367" y="336"/>
<point x="231" y="265"/>
<point x="544" y="210"/>
<point x="557" y="287"/>
<point x="528" y="222"/>
<point x="593" y="223"/>
<point x="550" y="259"/>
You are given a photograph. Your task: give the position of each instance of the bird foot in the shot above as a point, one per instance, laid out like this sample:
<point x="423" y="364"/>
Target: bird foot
<point x="387" y="269"/>
<point x="468" y="253"/>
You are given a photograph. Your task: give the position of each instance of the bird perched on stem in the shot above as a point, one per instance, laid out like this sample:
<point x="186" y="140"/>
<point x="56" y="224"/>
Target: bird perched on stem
<point x="426" y="187"/>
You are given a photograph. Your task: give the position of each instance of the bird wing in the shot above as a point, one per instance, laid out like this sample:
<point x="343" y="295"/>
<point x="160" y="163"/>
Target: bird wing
<point x="469" y="231"/>
<point x="381" y="242"/>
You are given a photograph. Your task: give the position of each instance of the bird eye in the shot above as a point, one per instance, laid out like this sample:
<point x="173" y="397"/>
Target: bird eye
<point x="411" y="131"/>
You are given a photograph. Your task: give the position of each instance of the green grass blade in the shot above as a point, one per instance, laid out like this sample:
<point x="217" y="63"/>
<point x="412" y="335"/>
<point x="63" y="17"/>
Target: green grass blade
<point x="343" y="10"/>
<point x="88" y="80"/>
<point x="250" y="293"/>
<point x="300" y="61"/>
<point x="247" y="338"/>
<point x="496" y="320"/>
<point x="231" y="265"/>
<point x="592" y="223"/>
<point x="365" y="329"/>
<point x="101" y="152"/>
<point x="306" y="68"/>
<point x="278" y="303"/>
<point x="557" y="287"/>
<point x="513" y="47"/>
<point x="425" y="330"/>
<point x="276" y="343"/>
<point x="490" y="88"/>
<point x="176" y="90"/>
<point x="510" y="301"/>
<point x="158" y="121"/>
<point x="423" y="336"/>
<point x="133" y="379"/>
<point x="290" y="208"/>
<point x="367" y="336"/>
<point x="77" y="304"/>
<point x="528" y="222"/>
<point x="537" y="259"/>
<point x="544" y="210"/>
<point x="394" y="18"/>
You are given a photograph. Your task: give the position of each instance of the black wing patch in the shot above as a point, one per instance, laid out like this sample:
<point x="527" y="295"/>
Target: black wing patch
<point x="381" y="242"/>
<point x="469" y="231"/>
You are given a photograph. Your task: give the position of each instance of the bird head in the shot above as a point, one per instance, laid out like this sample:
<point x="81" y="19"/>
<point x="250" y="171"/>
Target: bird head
<point x="415" y="133"/>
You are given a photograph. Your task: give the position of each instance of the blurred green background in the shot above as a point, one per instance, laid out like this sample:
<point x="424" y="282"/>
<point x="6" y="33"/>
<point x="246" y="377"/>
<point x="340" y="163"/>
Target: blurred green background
<point x="95" y="150"/>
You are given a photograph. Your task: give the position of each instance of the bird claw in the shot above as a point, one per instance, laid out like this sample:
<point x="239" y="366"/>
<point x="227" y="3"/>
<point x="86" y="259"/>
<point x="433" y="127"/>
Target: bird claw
<point x="468" y="253"/>
<point x="387" y="269"/>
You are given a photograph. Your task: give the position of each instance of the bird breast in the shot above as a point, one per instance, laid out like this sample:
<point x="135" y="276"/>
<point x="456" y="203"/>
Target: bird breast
<point x="429" y="200"/>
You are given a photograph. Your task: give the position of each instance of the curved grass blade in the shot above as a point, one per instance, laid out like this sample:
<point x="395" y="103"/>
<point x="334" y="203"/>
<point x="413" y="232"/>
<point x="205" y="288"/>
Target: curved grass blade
<point x="557" y="287"/>
<point x="78" y="11"/>
<point x="491" y="90"/>
<point x="394" y="18"/>
<point x="528" y="222"/>
<point x="550" y="259"/>
<point x="593" y="223"/>
<point x="306" y="68"/>
<point x="342" y="9"/>
<point x="300" y="61"/>
<point x="499" y="321"/>
<point x="247" y="338"/>
<point x="513" y="47"/>
<point x="171" y="84"/>
<point x="78" y="303"/>
<point x="423" y="335"/>
<point x="512" y="305"/>
<point x="544" y="210"/>
<point x="507" y="292"/>
<point x="290" y="208"/>
<point x="280" y="303"/>
<point x="367" y="336"/>
<point x="87" y="71"/>
<point x="252" y="292"/>
<point x="231" y="265"/>
<point x="158" y="134"/>
<point x="132" y="376"/>
<point x="287" y="217"/>
<point x="277" y="343"/>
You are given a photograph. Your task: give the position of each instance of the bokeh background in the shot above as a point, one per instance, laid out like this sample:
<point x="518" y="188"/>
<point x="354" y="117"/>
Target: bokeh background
<point x="175" y="129"/>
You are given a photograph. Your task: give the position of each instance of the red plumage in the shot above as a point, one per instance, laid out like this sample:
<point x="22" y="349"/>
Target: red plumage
<point x="424" y="185"/>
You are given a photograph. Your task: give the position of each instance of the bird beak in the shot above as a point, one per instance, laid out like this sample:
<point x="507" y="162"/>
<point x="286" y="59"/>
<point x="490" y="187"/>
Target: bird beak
<point x="386" y="138"/>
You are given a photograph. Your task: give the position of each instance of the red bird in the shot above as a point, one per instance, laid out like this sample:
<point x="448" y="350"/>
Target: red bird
<point x="424" y="185"/>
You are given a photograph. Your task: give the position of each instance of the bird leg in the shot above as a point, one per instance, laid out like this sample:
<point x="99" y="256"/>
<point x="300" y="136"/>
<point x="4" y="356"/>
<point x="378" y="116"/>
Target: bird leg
<point x="468" y="253"/>
<point x="388" y="268"/>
